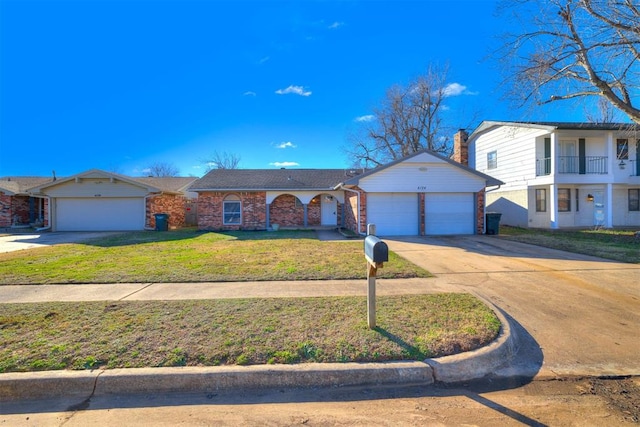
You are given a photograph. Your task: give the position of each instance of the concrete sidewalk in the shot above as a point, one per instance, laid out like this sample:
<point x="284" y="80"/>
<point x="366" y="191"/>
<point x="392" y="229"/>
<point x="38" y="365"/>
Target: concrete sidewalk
<point x="218" y="290"/>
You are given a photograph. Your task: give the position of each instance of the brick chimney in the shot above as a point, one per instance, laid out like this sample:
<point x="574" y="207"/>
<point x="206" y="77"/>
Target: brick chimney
<point x="461" y="147"/>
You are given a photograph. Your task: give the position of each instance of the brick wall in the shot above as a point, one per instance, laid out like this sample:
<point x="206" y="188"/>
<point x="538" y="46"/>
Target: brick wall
<point x="15" y="210"/>
<point x="5" y="211"/>
<point x="285" y="212"/>
<point x="174" y="205"/>
<point x="351" y="210"/>
<point x="20" y="209"/>
<point x="480" y="197"/>
<point x="254" y="207"/>
<point x="461" y="147"/>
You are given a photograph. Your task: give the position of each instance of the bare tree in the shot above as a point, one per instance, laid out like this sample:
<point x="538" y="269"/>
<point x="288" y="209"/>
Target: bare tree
<point x="575" y="49"/>
<point x="409" y="119"/>
<point x="222" y="160"/>
<point x="603" y="112"/>
<point x="162" y="169"/>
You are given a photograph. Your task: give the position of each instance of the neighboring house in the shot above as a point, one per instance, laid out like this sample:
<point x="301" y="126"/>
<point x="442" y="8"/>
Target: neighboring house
<point x="96" y="200"/>
<point x="17" y="207"/>
<point x="560" y="175"/>
<point x="423" y="193"/>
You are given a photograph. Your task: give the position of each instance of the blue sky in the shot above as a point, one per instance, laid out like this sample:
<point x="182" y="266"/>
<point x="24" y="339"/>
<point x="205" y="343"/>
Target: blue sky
<point x="119" y="85"/>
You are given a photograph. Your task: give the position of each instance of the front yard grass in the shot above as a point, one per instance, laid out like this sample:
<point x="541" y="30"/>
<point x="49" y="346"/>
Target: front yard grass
<point x="192" y="256"/>
<point x="65" y="335"/>
<point x="619" y="245"/>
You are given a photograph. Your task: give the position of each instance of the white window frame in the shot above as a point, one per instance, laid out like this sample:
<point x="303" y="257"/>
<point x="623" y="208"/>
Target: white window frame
<point x="492" y="159"/>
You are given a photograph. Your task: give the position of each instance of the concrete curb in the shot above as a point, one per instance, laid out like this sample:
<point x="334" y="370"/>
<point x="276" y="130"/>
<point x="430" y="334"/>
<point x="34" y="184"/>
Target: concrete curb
<point x="84" y="384"/>
<point x="481" y="362"/>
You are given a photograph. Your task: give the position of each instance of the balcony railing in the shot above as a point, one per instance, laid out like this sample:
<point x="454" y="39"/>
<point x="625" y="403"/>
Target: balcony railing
<point x="574" y="165"/>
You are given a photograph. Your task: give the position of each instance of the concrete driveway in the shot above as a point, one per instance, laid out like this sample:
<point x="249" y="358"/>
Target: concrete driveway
<point x="577" y="315"/>
<point x="20" y="241"/>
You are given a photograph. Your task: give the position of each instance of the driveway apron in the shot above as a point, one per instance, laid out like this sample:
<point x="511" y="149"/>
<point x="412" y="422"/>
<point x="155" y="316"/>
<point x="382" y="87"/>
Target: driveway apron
<point x="582" y="312"/>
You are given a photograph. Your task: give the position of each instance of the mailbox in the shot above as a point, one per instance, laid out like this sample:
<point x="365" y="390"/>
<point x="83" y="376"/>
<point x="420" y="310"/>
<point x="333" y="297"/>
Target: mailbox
<point x="375" y="250"/>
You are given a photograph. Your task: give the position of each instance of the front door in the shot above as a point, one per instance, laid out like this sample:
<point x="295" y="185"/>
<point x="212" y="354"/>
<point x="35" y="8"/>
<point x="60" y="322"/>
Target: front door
<point x="329" y="210"/>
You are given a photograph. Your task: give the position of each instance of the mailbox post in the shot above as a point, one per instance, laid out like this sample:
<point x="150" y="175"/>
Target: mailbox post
<point x="376" y="253"/>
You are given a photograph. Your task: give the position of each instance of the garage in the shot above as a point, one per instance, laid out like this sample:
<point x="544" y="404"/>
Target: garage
<point x="100" y="214"/>
<point x="449" y="213"/>
<point x="394" y="214"/>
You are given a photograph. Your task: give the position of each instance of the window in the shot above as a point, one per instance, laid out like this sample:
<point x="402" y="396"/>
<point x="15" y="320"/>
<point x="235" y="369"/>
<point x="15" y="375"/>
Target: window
<point x="232" y="211"/>
<point x="541" y="200"/>
<point x="622" y="149"/>
<point x="564" y="200"/>
<point x="492" y="160"/>
<point x="634" y="199"/>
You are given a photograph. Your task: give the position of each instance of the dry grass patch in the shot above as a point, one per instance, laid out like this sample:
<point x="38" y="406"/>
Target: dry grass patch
<point x="89" y="335"/>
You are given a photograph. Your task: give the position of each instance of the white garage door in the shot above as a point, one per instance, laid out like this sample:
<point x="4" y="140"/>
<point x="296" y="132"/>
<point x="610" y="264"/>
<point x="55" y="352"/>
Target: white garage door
<point x="93" y="214"/>
<point x="449" y="213"/>
<point x="394" y="214"/>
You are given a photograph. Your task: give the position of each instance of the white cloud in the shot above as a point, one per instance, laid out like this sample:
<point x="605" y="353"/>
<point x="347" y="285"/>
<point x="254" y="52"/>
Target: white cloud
<point x="249" y="93"/>
<point x="456" y="89"/>
<point x="287" y="144"/>
<point x="298" y="90"/>
<point x="367" y="118"/>
<point x="196" y="167"/>
<point x="335" y="25"/>
<point x="284" y="164"/>
<point x="263" y="60"/>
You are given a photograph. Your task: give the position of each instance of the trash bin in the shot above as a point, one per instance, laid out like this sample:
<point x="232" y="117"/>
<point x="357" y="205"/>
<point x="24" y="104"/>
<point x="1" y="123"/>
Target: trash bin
<point x="162" y="222"/>
<point x="493" y="222"/>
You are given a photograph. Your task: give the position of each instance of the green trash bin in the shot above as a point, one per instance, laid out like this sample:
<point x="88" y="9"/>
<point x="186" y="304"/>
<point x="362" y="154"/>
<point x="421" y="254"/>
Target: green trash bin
<point x="493" y="222"/>
<point x="162" y="222"/>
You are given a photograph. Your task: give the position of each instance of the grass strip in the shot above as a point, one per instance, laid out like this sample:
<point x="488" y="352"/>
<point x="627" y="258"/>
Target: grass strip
<point x="192" y="256"/>
<point x="64" y="335"/>
<point x="618" y="245"/>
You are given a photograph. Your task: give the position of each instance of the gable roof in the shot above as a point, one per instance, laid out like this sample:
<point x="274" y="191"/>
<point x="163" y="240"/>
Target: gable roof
<point x="16" y="185"/>
<point x="489" y="180"/>
<point x="270" y="179"/>
<point x="93" y="173"/>
<point x="173" y="184"/>
<point x="551" y="126"/>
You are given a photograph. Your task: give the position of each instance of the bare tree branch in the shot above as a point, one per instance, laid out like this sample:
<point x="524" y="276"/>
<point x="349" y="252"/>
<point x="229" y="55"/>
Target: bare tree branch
<point x="575" y="48"/>
<point x="409" y="119"/>
<point x="161" y="169"/>
<point x="222" y="160"/>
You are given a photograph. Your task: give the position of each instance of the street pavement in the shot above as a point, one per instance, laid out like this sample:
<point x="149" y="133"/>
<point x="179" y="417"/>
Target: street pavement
<point x="564" y="315"/>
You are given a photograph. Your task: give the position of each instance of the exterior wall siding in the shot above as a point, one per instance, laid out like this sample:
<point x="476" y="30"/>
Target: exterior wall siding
<point x="90" y="187"/>
<point x="516" y="155"/>
<point x="513" y="205"/>
<point x="434" y="176"/>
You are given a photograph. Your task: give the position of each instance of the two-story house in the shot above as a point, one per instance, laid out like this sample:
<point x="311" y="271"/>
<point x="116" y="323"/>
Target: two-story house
<point x="560" y="175"/>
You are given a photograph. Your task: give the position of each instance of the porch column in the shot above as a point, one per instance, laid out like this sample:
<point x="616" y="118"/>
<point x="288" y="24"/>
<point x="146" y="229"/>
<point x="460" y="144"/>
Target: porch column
<point x="306" y="218"/>
<point x="608" y="220"/>
<point x="268" y="220"/>
<point x="553" y="149"/>
<point x="553" y="206"/>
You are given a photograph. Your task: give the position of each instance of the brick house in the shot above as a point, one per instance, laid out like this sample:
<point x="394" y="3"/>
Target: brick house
<point x="94" y="200"/>
<point x="17" y="207"/>
<point x="421" y="194"/>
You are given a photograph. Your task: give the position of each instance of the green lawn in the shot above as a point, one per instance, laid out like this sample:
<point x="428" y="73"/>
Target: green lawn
<point x="192" y="256"/>
<point x="50" y="336"/>
<point x="619" y="245"/>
